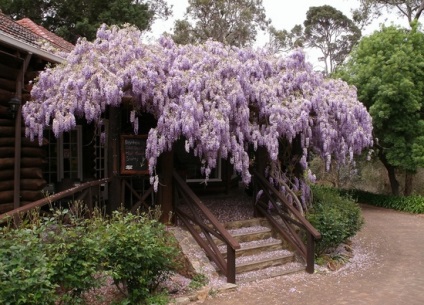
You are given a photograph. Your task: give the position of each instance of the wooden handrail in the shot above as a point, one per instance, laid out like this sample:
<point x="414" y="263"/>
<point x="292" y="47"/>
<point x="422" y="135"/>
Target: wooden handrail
<point x="215" y="228"/>
<point x="54" y="197"/>
<point x="288" y="231"/>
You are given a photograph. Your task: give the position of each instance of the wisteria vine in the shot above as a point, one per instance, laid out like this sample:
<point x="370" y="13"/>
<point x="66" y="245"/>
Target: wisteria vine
<point x="221" y="99"/>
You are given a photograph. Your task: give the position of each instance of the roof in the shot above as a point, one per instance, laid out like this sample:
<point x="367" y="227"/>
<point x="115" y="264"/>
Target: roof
<point x="46" y="34"/>
<point x="28" y="36"/>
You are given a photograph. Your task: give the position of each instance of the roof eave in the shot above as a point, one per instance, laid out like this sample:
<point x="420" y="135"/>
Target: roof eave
<point x="23" y="46"/>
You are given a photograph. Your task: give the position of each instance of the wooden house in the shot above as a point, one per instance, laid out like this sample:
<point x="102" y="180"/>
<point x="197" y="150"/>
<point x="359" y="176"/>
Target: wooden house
<point x="25" y="49"/>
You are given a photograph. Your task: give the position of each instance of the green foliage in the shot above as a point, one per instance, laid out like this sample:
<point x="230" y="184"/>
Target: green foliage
<point x="387" y="70"/>
<point x="57" y="259"/>
<point x="199" y="280"/>
<point x="233" y="22"/>
<point x="337" y="218"/>
<point x="81" y="18"/>
<point x="411" y="204"/>
<point x="138" y="253"/>
<point x="26" y="274"/>
<point x="331" y="32"/>
<point x="73" y="253"/>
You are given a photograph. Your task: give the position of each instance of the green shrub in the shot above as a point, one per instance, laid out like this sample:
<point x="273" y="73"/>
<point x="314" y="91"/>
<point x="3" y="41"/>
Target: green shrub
<point x="25" y="271"/>
<point x="73" y="253"/>
<point x="337" y="218"/>
<point x="411" y="204"/>
<point x="55" y="260"/>
<point x="138" y="254"/>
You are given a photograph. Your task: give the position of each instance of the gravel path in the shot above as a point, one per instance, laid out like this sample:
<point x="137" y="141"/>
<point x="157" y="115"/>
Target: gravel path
<point x="387" y="269"/>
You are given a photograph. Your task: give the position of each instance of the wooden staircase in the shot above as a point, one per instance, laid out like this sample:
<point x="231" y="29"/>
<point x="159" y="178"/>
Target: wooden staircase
<point x="263" y="253"/>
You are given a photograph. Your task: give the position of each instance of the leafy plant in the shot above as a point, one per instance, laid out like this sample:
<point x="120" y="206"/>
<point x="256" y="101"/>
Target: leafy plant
<point x="337" y="218"/>
<point x="138" y="254"/>
<point x="26" y="275"/>
<point x="199" y="280"/>
<point x="411" y="204"/>
<point x="74" y="257"/>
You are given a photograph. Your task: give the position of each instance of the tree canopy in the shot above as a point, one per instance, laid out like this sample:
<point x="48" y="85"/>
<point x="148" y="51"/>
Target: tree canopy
<point x="220" y="99"/>
<point x="233" y="22"/>
<point x="387" y="69"/>
<point x="331" y="32"/>
<point x="371" y="9"/>
<point x="72" y="19"/>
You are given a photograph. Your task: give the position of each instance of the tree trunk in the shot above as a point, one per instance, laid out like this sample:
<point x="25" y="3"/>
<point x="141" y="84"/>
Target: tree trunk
<point x="394" y="184"/>
<point x="409" y="177"/>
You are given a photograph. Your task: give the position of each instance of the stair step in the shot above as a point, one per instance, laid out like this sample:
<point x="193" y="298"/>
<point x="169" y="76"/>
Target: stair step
<point x="253" y="222"/>
<point x="248" y="234"/>
<point x="264" y="260"/>
<point x="257" y="275"/>
<point x="255" y="247"/>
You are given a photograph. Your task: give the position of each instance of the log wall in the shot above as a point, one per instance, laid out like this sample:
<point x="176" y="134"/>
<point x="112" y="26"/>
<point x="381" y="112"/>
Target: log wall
<point x="32" y="155"/>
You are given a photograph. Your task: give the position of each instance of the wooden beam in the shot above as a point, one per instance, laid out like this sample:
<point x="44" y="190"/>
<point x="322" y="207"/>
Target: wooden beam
<point x="166" y="189"/>
<point x="18" y="133"/>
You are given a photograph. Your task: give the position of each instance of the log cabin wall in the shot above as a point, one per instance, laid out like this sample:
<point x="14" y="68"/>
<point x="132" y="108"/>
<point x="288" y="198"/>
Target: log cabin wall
<point x="20" y="159"/>
<point x="21" y="60"/>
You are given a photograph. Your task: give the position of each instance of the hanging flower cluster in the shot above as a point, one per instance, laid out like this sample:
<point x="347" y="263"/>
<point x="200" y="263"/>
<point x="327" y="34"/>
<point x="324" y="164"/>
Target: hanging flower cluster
<point x="221" y="99"/>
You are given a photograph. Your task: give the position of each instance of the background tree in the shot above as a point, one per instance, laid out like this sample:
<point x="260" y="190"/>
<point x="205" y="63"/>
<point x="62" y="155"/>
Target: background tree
<point x="372" y="9"/>
<point x="285" y="41"/>
<point x="331" y="32"/>
<point x="233" y="22"/>
<point x="72" y="19"/>
<point x="387" y="70"/>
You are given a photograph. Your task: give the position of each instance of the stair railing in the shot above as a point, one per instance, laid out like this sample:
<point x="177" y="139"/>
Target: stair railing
<point x="290" y="218"/>
<point x="192" y="212"/>
<point x="87" y="192"/>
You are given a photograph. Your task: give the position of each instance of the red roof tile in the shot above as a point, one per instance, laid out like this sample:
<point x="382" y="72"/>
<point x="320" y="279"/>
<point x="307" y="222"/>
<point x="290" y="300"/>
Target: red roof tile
<point x="27" y="31"/>
<point x="43" y="32"/>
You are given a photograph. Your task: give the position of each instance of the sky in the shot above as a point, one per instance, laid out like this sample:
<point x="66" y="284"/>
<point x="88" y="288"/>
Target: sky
<point x="283" y="14"/>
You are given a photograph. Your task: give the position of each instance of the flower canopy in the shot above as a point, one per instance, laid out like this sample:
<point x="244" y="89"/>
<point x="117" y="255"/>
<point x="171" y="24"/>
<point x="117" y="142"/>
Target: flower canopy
<point x="221" y="99"/>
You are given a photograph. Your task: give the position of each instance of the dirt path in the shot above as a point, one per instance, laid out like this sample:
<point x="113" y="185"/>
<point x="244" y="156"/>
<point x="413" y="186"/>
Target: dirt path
<point x="388" y="269"/>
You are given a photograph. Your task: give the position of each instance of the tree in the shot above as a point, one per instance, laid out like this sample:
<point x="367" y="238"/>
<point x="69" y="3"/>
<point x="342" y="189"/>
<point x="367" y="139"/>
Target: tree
<point x="331" y="32"/>
<point x="72" y="19"/>
<point x="387" y="69"/>
<point x="371" y="9"/>
<point x="233" y="22"/>
<point x="220" y="99"/>
<point x="285" y="41"/>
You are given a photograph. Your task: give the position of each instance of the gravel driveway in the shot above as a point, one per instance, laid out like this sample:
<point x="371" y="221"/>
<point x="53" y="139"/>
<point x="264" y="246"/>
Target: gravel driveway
<point x="387" y="269"/>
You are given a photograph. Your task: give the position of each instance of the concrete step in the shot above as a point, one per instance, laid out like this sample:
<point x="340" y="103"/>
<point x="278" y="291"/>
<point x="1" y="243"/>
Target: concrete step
<point x="263" y="260"/>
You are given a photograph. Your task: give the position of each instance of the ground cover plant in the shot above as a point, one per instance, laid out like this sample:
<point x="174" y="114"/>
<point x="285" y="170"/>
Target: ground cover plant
<point x="57" y="259"/>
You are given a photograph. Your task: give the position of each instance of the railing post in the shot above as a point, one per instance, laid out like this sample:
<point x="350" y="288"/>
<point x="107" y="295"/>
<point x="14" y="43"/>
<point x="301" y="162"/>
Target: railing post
<point x="90" y="199"/>
<point x="310" y="253"/>
<point x="231" y="265"/>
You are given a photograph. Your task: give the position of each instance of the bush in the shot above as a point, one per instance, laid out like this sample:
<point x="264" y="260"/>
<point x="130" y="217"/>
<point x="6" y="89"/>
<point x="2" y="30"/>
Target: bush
<point x="55" y="260"/>
<point x="25" y="271"/>
<point x="138" y="254"/>
<point x="73" y="253"/>
<point x="411" y="204"/>
<point x="337" y="218"/>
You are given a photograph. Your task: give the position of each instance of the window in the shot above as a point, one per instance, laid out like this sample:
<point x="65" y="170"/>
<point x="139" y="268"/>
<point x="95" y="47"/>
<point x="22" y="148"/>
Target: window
<point x="64" y="156"/>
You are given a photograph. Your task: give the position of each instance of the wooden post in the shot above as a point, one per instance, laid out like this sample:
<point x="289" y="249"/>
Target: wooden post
<point x="165" y="198"/>
<point x="114" y="190"/>
<point x="231" y="265"/>
<point x="261" y="161"/>
<point x="18" y="135"/>
<point x="310" y="253"/>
